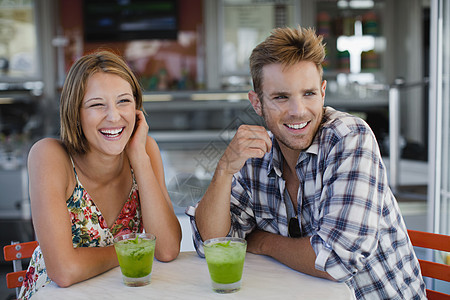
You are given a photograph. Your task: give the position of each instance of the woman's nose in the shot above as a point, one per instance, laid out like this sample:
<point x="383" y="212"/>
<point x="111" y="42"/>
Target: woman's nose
<point x="112" y="113"/>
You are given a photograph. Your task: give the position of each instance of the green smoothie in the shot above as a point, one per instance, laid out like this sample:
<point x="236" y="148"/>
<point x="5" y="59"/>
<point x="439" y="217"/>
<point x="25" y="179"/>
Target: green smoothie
<point x="135" y="256"/>
<point x="225" y="261"/>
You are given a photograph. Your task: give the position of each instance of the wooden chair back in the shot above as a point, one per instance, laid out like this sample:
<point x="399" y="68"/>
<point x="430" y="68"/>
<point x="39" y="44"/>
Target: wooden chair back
<point x="429" y="268"/>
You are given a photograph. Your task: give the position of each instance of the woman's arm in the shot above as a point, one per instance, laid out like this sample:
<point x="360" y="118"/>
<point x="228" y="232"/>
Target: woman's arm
<point x="51" y="182"/>
<point x="157" y="210"/>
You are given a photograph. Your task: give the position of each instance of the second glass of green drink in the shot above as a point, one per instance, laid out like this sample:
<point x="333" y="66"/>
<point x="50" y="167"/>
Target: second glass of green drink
<point x="135" y="252"/>
<point x="225" y="258"/>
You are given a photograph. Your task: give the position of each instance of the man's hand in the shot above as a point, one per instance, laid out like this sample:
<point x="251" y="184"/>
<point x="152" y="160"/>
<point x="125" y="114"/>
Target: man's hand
<point x="213" y="212"/>
<point x="250" y="141"/>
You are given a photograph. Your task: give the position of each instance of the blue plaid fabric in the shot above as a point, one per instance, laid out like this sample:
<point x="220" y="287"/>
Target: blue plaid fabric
<point x="345" y="205"/>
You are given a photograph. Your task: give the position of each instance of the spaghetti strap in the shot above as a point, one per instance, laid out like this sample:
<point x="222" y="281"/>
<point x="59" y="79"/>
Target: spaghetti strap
<point x="73" y="165"/>
<point x="74" y="170"/>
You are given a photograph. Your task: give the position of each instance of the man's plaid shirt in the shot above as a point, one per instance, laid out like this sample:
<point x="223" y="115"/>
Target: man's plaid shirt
<point x="345" y="205"/>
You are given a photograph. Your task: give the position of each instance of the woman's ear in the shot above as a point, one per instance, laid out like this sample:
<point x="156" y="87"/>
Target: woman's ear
<point x="256" y="103"/>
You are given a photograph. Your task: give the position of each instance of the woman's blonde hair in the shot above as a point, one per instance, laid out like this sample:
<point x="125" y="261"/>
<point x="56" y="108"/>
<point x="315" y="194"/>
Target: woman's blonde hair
<point x="74" y="90"/>
<point x="286" y="46"/>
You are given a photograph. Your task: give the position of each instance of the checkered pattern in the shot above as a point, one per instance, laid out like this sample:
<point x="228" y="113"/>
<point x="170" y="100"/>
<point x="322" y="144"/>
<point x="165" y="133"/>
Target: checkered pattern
<point x="345" y="206"/>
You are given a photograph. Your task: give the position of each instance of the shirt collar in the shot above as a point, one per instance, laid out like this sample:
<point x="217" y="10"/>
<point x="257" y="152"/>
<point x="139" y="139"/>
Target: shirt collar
<point x="314" y="147"/>
<point x="275" y="165"/>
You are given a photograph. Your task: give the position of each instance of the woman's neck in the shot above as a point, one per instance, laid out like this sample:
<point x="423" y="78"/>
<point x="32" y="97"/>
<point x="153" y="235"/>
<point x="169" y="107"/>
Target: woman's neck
<point x="99" y="168"/>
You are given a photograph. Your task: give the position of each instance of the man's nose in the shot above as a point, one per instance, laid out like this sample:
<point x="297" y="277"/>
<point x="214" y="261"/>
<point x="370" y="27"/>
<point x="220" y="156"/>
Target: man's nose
<point x="296" y="106"/>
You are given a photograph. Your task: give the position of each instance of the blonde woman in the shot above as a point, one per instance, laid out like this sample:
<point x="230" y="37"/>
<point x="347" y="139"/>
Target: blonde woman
<point x="103" y="178"/>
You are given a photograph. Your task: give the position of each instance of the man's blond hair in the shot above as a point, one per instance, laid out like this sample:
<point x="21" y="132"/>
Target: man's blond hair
<point x="286" y="46"/>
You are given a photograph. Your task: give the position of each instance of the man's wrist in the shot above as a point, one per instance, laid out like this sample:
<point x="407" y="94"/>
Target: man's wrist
<point x="223" y="170"/>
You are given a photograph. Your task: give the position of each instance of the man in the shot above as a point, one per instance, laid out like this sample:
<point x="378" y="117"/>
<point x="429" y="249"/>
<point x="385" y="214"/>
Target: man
<point x="313" y="192"/>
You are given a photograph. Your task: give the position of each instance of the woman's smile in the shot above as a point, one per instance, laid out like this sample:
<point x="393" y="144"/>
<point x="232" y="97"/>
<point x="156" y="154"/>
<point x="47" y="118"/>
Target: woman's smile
<point x="112" y="133"/>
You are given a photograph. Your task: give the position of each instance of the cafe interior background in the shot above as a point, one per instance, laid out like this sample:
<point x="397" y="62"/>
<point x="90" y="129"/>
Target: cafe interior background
<point x="387" y="62"/>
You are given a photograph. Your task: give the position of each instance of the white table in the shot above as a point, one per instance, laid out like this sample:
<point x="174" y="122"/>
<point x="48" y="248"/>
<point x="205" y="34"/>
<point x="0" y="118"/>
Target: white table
<point x="187" y="277"/>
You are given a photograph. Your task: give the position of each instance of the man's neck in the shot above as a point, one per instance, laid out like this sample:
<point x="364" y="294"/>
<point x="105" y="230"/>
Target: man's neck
<point x="290" y="157"/>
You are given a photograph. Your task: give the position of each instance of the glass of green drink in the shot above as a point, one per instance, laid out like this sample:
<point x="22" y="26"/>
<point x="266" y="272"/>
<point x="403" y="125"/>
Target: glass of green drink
<point x="135" y="252"/>
<point x="225" y="258"/>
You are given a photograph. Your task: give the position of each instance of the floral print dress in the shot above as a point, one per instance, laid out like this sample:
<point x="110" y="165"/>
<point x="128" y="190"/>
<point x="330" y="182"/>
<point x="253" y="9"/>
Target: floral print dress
<point x="89" y="229"/>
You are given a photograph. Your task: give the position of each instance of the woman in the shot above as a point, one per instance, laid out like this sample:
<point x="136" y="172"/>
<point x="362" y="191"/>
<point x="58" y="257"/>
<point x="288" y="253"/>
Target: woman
<point x="103" y="178"/>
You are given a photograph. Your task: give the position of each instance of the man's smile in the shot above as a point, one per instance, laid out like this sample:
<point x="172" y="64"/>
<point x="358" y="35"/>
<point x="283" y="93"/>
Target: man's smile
<point x="296" y="125"/>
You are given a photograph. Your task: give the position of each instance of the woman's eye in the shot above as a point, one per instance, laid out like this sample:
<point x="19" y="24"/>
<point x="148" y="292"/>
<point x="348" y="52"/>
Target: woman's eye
<point x="124" y="100"/>
<point x="96" y="104"/>
<point x="280" y="97"/>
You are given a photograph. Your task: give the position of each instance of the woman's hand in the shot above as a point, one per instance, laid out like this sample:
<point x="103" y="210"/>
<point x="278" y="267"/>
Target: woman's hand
<point x="136" y="145"/>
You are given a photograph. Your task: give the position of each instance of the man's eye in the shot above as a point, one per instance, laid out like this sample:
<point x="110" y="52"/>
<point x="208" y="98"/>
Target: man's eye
<point x="310" y="94"/>
<point x="280" y="97"/>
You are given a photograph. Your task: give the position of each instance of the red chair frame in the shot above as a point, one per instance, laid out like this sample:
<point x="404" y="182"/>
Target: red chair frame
<point x="15" y="253"/>
<point x="429" y="268"/>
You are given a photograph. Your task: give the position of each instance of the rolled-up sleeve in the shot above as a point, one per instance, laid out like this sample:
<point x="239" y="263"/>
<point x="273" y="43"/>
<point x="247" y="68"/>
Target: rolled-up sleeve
<point x="196" y="237"/>
<point x="350" y="207"/>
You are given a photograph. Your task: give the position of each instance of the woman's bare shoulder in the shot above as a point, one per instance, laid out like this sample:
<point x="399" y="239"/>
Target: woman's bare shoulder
<point x="151" y="144"/>
<point x="153" y="149"/>
<point x="48" y="142"/>
<point x="49" y="167"/>
<point x="48" y="150"/>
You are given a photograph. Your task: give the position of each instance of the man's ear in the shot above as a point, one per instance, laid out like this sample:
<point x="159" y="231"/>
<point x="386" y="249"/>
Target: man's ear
<point x="256" y="103"/>
<point x="322" y="90"/>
